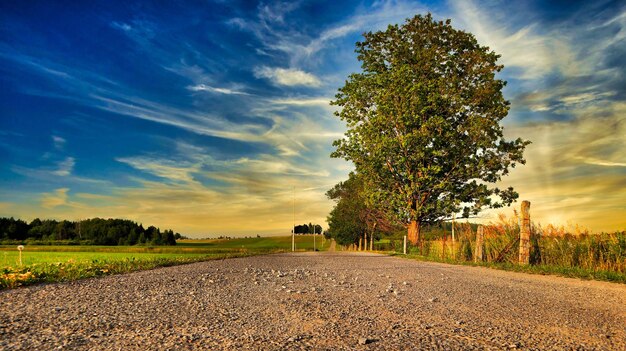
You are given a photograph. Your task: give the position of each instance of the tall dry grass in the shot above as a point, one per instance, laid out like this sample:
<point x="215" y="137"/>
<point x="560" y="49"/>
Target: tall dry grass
<point x="570" y="247"/>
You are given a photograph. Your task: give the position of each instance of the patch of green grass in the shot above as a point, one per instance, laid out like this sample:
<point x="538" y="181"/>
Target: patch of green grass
<point x="64" y="263"/>
<point x="11" y="259"/>
<point x="303" y="242"/>
<point x="11" y="277"/>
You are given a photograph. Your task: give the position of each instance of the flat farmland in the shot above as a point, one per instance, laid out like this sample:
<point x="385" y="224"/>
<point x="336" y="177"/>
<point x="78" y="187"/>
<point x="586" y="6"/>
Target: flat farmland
<point x="45" y="263"/>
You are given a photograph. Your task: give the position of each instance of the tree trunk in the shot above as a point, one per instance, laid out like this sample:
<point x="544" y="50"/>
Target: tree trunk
<point x="414" y="232"/>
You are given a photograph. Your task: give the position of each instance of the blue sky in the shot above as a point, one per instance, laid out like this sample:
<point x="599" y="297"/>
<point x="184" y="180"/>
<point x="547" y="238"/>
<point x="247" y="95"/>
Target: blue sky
<point x="203" y="116"/>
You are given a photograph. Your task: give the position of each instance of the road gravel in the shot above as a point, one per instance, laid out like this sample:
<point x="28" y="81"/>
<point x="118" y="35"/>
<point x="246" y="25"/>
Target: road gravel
<point x="316" y="301"/>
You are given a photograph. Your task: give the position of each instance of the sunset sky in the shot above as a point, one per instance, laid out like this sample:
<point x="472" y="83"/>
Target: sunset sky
<point x="204" y="116"/>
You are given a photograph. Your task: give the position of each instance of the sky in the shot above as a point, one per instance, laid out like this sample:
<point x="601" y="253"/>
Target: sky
<point x="212" y="117"/>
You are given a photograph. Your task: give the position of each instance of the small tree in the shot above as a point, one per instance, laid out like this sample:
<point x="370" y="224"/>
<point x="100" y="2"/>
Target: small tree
<point x="423" y="123"/>
<point x="353" y="216"/>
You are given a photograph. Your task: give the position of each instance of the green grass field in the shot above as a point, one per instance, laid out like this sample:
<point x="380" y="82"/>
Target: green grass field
<point x="65" y="263"/>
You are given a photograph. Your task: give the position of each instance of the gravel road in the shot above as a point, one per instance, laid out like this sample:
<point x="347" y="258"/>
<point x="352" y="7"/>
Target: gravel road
<point x="316" y="301"/>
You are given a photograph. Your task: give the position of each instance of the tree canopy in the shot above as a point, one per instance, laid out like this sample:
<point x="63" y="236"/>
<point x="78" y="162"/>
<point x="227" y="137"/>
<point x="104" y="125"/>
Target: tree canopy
<point x="308" y="229"/>
<point x="423" y="121"/>
<point x="96" y="231"/>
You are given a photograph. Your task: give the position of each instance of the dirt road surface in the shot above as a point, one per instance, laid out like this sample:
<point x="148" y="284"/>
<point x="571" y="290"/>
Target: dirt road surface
<point x="316" y="301"/>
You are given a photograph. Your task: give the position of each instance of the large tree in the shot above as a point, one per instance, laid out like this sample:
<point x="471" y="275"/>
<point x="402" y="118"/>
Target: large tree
<point x="423" y="123"/>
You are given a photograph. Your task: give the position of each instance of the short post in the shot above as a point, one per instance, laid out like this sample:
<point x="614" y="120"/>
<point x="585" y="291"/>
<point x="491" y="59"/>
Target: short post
<point x="524" y="234"/>
<point x="404" y="245"/>
<point x="453" y="238"/>
<point x="443" y="246"/>
<point x="314" y="248"/>
<point x="479" y="244"/>
<point x="20" y="248"/>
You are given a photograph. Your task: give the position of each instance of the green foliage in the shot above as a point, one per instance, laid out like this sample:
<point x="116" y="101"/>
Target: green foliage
<point x="95" y="231"/>
<point x="424" y="122"/>
<point x="352" y="215"/>
<point x="308" y="229"/>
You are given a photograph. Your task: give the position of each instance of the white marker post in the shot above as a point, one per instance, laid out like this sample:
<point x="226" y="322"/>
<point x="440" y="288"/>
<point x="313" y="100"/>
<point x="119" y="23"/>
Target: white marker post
<point x="20" y="248"/>
<point x="405" y="244"/>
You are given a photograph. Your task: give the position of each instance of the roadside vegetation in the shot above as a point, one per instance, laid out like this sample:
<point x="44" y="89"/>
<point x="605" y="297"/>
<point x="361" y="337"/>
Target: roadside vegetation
<point x="559" y="250"/>
<point x="61" y="263"/>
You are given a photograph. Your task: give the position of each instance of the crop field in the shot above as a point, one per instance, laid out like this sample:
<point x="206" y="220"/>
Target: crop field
<point x="41" y="263"/>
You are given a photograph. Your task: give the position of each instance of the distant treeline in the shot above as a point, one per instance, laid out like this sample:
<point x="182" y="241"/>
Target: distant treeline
<point x="308" y="229"/>
<point x="95" y="231"/>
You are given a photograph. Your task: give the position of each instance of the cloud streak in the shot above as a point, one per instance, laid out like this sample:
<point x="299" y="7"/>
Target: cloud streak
<point x="203" y="87"/>
<point x="287" y="76"/>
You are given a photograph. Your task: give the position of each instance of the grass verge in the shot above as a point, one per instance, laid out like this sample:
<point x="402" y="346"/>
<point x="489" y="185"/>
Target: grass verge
<point x="61" y="263"/>
<point x="12" y="277"/>
<point x="569" y="272"/>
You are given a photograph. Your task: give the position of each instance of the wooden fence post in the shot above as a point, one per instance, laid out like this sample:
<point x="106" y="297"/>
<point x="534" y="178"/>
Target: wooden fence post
<point x="479" y="244"/>
<point x="524" y="234"/>
<point x="453" y="238"/>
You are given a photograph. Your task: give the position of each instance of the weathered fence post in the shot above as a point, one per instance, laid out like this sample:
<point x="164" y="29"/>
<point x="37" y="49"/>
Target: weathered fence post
<point x="479" y="244"/>
<point x="404" y="245"/>
<point x="524" y="234"/>
<point x="453" y="238"/>
<point x="443" y="246"/>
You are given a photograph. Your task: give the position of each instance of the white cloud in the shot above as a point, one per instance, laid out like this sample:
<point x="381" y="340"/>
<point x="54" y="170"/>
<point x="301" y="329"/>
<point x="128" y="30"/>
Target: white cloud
<point x="204" y="87"/>
<point x="287" y="76"/>
<point x="121" y="26"/>
<point x="65" y="167"/>
<point x="58" y="142"/>
<point x="321" y="101"/>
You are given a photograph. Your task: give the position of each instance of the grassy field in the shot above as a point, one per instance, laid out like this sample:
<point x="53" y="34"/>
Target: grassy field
<point x="65" y="263"/>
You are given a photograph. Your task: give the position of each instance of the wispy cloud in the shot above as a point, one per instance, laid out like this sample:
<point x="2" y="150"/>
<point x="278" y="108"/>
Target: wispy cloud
<point x="301" y="47"/>
<point x="287" y="76"/>
<point x="303" y="101"/>
<point x="175" y="171"/>
<point x="121" y="26"/>
<point x="54" y="199"/>
<point x="534" y="54"/>
<point x="58" y="142"/>
<point x="593" y="161"/>
<point x="65" y="167"/>
<point x="204" y="87"/>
